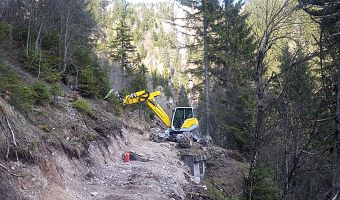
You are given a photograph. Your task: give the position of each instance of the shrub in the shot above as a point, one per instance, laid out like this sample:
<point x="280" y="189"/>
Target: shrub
<point x="139" y="80"/>
<point x="4" y="31"/>
<point x="94" y="80"/>
<point x="167" y="91"/>
<point x="42" y="66"/>
<point x="88" y="85"/>
<point x="22" y="97"/>
<point x="264" y="185"/>
<point x="117" y="105"/>
<point x="55" y="90"/>
<point x="213" y="192"/>
<point x="9" y="77"/>
<point x="83" y="106"/>
<point x="50" y="41"/>
<point x="103" y="80"/>
<point x="41" y="92"/>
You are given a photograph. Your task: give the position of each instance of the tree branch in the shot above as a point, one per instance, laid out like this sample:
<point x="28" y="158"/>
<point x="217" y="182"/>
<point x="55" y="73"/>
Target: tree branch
<point x="6" y="169"/>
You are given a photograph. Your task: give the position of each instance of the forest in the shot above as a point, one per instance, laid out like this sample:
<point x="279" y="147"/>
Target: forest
<point x="263" y="74"/>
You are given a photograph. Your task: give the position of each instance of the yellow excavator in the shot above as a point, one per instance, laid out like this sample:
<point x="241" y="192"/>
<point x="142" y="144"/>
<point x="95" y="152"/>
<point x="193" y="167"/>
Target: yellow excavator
<point x="182" y="120"/>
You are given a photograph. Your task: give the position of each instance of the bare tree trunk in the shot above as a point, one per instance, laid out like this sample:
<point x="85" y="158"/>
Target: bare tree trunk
<point x="336" y="177"/>
<point x="66" y="42"/>
<point x="39" y="70"/>
<point x="260" y="110"/>
<point x="286" y="158"/>
<point x="37" y="42"/>
<point x="61" y="41"/>
<point x="10" y="36"/>
<point x="206" y="72"/>
<point x="28" y="39"/>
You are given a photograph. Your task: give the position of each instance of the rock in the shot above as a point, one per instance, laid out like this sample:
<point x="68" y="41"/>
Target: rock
<point x="197" y="180"/>
<point x="90" y="175"/>
<point x="93" y="194"/>
<point x="206" y="140"/>
<point x="184" y="140"/>
<point x="156" y="138"/>
<point x="24" y="187"/>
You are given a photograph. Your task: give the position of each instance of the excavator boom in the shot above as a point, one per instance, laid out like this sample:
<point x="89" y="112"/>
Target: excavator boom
<point x="149" y="98"/>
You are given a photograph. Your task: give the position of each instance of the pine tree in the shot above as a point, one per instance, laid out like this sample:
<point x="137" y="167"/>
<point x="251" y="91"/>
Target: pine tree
<point x="232" y="50"/>
<point x="208" y="12"/>
<point x="123" y="50"/>
<point x="229" y="49"/>
<point x="326" y="12"/>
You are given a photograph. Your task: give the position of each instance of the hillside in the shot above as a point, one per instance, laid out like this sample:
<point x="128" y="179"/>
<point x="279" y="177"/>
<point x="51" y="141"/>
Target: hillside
<point x="59" y="152"/>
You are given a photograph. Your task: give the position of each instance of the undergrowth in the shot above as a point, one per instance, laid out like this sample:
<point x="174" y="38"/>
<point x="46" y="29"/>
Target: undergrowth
<point x="82" y="106"/>
<point x="19" y="94"/>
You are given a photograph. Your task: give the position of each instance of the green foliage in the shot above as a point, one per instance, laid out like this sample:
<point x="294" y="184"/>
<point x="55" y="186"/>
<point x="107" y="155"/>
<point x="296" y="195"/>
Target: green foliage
<point x="265" y="186"/>
<point x="5" y="30"/>
<point x="123" y="50"/>
<point x="41" y="92"/>
<point x="213" y="192"/>
<point x="102" y="75"/>
<point x="139" y="73"/>
<point x="9" y="77"/>
<point x="117" y="105"/>
<point x="88" y="83"/>
<point x="42" y="65"/>
<point x="56" y="90"/>
<point x="163" y="39"/>
<point x="230" y="50"/>
<point x="236" y="138"/>
<point x="21" y="95"/>
<point x="94" y="82"/>
<point x="182" y="97"/>
<point x="94" y="79"/>
<point x="158" y="80"/>
<point x="167" y="91"/>
<point x="50" y="41"/>
<point x="83" y="106"/>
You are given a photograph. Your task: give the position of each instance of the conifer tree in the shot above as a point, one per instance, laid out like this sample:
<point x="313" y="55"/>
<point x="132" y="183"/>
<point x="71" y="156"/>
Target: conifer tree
<point x="222" y="30"/>
<point x="123" y="50"/>
<point x="326" y="12"/>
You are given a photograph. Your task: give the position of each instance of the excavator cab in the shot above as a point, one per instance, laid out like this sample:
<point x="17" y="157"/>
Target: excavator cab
<point x="180" y="114"/>
<point x="183" y="120"/>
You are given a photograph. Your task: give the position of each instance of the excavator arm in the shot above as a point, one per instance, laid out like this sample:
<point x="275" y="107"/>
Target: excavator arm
<point x="149" y="98"/>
